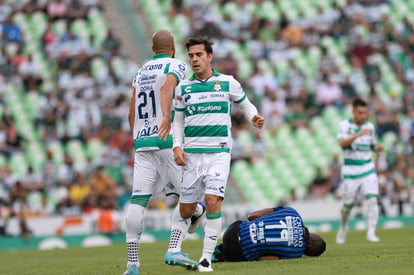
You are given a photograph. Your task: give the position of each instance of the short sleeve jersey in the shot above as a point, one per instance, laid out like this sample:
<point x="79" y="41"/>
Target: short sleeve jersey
<point x="279" y="233"/>
<point x="357" y="158"/>
<point x="207" y="108"/>
<point x="148" y="113"/>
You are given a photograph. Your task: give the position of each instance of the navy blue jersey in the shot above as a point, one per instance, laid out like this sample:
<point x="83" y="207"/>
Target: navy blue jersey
<point x="279" y="233"/>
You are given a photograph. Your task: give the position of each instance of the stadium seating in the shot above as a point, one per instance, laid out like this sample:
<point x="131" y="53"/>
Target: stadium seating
<point x="291" y="156"/>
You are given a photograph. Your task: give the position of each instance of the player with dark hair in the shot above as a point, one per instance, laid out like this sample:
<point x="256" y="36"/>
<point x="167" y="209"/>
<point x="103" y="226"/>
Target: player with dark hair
<point x="202" y="144"/>
<point x="269" y="234"/>
<point x="357" y="139"/>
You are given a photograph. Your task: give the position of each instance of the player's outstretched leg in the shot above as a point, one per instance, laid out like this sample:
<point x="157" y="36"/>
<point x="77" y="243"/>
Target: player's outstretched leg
<point x="372" y="217"/>
<point x="341" y="235"/>
<point x="343" y="228"/>
<point x="180" y="259"/>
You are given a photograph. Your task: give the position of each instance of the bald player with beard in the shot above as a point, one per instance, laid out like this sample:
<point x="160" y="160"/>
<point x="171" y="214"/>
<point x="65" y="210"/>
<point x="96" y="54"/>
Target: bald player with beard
<point x="150" y="122"/>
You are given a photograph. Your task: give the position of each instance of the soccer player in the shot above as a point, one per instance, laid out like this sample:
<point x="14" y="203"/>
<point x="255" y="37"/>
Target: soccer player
<point x="150" y="122"/>
<point x="202" y="144"/>
<point x="357" y="139"/>
<point x="268" y="234"/>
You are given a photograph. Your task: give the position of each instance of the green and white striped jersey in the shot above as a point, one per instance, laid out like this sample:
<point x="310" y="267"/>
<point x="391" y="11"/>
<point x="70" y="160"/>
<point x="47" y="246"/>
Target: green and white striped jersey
<point x="357" y="158"/>
<point x="148" y="113"/>
<point x="207" y="108"/>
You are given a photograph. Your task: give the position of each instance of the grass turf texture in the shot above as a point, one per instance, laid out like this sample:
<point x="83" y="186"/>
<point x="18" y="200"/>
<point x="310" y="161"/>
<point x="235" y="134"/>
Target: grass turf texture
<point x="393" y="255"/>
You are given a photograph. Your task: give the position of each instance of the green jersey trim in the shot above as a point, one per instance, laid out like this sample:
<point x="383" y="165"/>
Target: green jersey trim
<point x="207" y="150"/>
<point x="215" y="73"/>
<point x="167" y="68"/>
<point x="360" y="147"/>
<point x="153" y="142"/>
<point x="241" y="99"/>
<point x="206" y="131"/>
<point x="204" y="87"/>
<point x="357" y="176"/>
<point x="175" y="75"/>
<point x="160" y="55"/>
<point x="357" y="161"/>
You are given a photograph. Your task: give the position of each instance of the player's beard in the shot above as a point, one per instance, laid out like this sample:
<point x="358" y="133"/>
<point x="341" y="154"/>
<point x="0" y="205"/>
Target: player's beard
<point x="173" y="55"/>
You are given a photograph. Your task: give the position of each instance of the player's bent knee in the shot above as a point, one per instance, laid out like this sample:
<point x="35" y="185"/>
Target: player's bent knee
<point x="187" y="210"/>
<point x="213" y="203"/>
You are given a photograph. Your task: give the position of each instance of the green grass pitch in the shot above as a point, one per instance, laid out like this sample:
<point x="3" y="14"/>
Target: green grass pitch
<point x="393" y="255"/>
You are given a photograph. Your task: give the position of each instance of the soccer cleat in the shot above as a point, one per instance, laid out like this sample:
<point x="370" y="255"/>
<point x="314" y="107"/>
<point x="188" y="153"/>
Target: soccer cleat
<point x="195" y="221"/>
<point x="180" y="259"/>
<point x="204" y="266"/>
<point x="341" y="236"/>
<point x="372" y="238"/>
<point x="132" y="270"/>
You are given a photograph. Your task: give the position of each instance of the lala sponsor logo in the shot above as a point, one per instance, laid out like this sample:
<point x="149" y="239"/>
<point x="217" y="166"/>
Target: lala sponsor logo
<point x="147" y="130"/>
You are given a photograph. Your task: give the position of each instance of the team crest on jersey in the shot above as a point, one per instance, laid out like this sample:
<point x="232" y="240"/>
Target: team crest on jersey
<point x="217" y="87"/>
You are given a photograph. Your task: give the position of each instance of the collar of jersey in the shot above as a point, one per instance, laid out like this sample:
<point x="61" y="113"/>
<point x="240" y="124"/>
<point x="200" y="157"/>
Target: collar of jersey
<point x="160" y="55"/>
<point x="351" y="120"/>
<point x="215" y="73"/>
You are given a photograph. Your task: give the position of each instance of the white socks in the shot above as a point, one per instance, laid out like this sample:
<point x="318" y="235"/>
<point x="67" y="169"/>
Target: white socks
<point x="372" y="214"/>
<point x="134" y="224"/>
<point x="212" y="230"/>
<point x="344" y="216"/>
<point x="178" y="231"/>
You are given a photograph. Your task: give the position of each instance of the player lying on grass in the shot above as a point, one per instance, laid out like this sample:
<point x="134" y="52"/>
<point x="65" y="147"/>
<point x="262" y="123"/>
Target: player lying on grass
<point x="268" y="234"/>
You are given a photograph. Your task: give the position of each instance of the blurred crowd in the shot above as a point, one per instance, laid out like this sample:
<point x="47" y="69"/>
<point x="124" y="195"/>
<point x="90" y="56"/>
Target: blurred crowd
<point x="75" y="103"/>
<point x="366" y="29"/>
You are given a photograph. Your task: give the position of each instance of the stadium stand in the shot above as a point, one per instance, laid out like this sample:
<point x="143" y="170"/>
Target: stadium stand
<point x="304" y="51"/>
<point x="65" y="84"/>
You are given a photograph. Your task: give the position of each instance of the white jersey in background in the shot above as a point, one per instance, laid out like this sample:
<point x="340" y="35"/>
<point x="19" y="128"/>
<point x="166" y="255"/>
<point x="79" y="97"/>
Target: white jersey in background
<point x="357" y="158"/>
<point x="148" y="113"/>
<point x="207" y="107"/>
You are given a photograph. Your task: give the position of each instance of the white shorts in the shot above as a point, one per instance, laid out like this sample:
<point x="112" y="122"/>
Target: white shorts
<point x="205" y="173"/>
<point x="156" y="173"/>
<point x="356" y="188"/>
